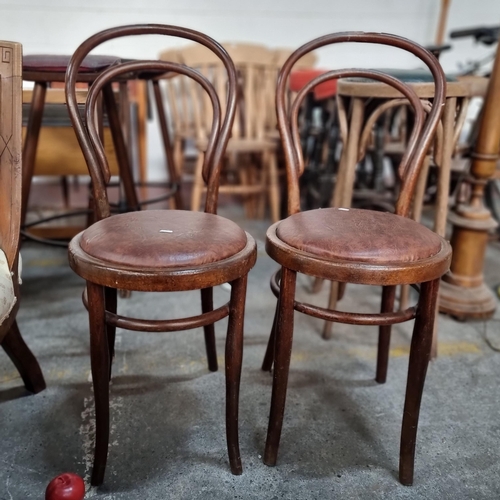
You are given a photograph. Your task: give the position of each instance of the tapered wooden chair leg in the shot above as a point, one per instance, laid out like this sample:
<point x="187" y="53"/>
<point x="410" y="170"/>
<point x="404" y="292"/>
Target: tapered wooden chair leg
<point x="167" y="146"/>
<point x="332" y="305"/>
<point x="274" y="188"/>
<point x="110" y="297"/>
<point x="282" y="355"/>
<point x="317" y="285"/>
<point x="267" y="364"/>
<point x="23" y="359"/>
<point x="99" y="361"/>
<point x="419" y="359"/>
<point x="233" y="359"/>
<point x="197" y="183"/>
<point x="121" y="149"/>
<point x="31" y="142"/>
<point x="384" y="334"/>
<point x="207" y="305"/>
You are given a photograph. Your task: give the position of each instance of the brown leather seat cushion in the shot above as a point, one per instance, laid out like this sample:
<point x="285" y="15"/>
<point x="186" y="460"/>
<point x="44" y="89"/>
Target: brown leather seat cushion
<point x="135" y="239"/>
<point x="59" y="63"/>
<point x="359" y="235"/>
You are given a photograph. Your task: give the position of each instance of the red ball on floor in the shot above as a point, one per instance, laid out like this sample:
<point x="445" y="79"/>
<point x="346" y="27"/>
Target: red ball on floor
<point x="67" y="486"/>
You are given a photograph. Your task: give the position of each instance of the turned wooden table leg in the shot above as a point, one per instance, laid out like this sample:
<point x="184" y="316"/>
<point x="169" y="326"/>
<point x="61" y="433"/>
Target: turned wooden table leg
<point x="463" y="293"/>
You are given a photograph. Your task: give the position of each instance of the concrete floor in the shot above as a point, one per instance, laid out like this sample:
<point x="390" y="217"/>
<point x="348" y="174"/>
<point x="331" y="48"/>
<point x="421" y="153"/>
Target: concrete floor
<point x="341" y="430"/>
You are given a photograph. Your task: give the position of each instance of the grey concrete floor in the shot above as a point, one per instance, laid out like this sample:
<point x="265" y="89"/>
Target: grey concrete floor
<point x="341" y="429"/>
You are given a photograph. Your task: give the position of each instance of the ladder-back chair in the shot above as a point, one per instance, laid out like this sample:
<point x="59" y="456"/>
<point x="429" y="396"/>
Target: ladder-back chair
<point x="250" y="167"/>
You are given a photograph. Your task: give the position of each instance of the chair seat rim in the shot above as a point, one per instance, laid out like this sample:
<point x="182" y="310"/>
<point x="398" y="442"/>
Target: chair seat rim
<point x="349" y="271"/>
<point x="174" y="278"/>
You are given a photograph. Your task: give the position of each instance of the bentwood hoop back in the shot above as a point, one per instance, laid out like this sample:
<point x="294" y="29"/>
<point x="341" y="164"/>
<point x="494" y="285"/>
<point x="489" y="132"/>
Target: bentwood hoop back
<point x="357" y="246"/>
<point x="159" y="250"/>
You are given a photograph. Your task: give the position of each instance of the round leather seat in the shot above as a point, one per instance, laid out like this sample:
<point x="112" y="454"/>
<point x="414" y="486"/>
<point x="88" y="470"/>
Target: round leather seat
<point x="359" y="235"/>
<point x="163" y="239"/>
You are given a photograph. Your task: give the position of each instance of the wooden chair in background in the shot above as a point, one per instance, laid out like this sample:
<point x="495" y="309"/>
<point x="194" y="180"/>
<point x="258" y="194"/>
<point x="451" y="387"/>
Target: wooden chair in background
<point x="358" y="246"/>
<point x="369" y="102"/>
<point x="160" y="250"/>
<point x="250" y="165"/>
<point x="10" y="215"/>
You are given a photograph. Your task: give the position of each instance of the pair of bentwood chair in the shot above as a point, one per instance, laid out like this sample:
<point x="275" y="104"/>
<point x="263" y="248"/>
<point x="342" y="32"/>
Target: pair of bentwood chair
<point x="173" y="250"/>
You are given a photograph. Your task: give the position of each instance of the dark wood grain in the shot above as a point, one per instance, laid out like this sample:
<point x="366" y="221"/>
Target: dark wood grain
<point x="420" y="352"/>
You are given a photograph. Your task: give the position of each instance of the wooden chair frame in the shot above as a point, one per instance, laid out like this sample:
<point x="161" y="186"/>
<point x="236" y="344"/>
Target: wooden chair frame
<point x="104" y="275"/>
<point x="10" y="207"/>
<point x="425" y="272"/>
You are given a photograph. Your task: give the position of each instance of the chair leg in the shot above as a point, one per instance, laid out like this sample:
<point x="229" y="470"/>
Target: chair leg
<point x="317" y="285"/>
<point x="267" y="364"/>
<point x="207" y="305"/>
<point x="167" y="145"/>
<point x="419" y="359"/>
<point x="179" y="156"/>
<point x="233" y="359"/>
<point x="121" y="149"/>
<point x="282" y="354"/>
<point x="110" y="303"/>
<point x="274" y="188"/>
<point x="384" y="334"/>
<point x="99" y="361"/>
<point x="23" y="359"/>
<point x="197" y="184"/>
<point x="332" y="305"/>
<point x="31" y="142"/>
<point x="404" y="297"/>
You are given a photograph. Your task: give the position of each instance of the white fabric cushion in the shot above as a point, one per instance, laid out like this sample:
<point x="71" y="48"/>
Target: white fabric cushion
<point x="7" y="297"/>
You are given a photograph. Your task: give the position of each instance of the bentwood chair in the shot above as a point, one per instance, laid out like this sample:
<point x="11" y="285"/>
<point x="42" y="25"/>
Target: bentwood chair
<point x="10" y="215"/>
<point x="159" y="250"/>
<point x="357" y="246"/>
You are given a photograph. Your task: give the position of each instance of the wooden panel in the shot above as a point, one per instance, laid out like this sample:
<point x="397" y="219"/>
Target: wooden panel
<point x="10" y="147"/>
<point x="59" y="153"/>
<point x="55" y="96"/>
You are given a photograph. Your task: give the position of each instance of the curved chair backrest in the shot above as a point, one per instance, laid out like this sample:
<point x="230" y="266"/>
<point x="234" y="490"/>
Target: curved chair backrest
<point x="10" y="149"/>
<point x="87" y="132"/>
<point x="423" y="130"/>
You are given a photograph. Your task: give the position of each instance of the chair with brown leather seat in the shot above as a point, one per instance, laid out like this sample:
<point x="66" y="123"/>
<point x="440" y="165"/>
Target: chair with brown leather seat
<point x="358" y="246"/>
<point x="10" y="215"/>
<point x="159" y="250"/>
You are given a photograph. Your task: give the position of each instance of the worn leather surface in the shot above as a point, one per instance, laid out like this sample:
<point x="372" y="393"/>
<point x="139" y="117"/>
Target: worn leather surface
<point x="359" y="235"/>
<point x="59" y="63"/>
<point x="136" y="239"/>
